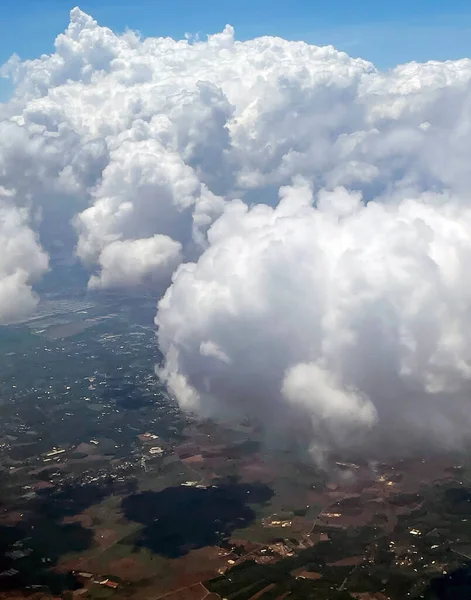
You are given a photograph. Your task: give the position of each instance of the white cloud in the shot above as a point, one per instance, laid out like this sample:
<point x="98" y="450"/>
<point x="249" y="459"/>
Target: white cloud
<point x="138" y="137"/>
<point x="137" y="262"/>
<point x="350" y="301"/>
<point x="21" y="262"/>
<point x="354" y="315"/>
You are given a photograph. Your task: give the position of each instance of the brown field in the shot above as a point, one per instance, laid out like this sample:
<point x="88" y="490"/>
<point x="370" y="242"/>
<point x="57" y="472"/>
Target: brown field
<point x="319" y="537"/>
<point x="128" y="568"/>
<point x="301" y="572"/>
<point x="191" y="460"/>
<point x="352" y="561"/>
<point x="9" y="518"/>
<point x="193" y="592"/>
<point x="42" y="485"/>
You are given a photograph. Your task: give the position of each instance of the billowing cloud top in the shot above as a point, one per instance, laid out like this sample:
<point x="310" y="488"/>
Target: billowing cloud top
<point x="318" y="209"/>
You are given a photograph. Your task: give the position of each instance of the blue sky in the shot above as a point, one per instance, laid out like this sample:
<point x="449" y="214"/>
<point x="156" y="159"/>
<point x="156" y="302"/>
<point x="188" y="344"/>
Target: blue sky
<point x="387" y="32"/>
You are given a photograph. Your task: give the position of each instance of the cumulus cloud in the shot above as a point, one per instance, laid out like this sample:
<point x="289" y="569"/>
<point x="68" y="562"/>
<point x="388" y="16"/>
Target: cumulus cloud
<point x="130" y="138"/>
<point x="22" y="261"/>
<point x="353" y="315"/>
<point x="318" y="209"/>
<point x="136" y="262"/>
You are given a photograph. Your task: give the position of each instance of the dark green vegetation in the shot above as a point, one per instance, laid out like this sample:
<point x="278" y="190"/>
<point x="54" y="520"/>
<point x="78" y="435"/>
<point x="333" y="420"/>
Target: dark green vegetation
<point x="41" y="538"/>
<point x="34" y="547"/>
<point x="453" y="586"/>
<point x="180" y="519"/>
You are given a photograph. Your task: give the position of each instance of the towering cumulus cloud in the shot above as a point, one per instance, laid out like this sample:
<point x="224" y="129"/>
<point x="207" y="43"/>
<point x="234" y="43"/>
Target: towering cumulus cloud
<point x="309" y="215"/>
<point x="354" y="316"/>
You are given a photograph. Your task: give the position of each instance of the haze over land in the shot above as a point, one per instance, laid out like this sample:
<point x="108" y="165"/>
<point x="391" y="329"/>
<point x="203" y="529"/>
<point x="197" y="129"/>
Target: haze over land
<point x="308" y="215"/>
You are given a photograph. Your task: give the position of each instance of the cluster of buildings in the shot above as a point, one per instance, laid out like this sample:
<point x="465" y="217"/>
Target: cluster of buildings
<point x="88" y="579"/>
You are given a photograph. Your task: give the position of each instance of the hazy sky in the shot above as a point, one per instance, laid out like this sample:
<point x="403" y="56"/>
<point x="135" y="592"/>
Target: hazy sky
<point x="384" y="32"/>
